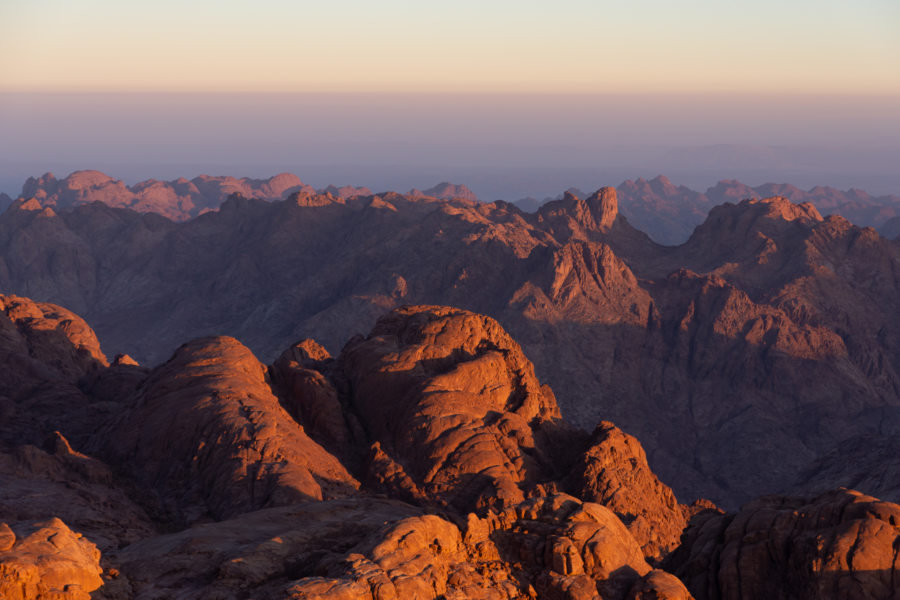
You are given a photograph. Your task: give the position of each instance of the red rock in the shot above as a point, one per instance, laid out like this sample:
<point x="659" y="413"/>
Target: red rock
<point x="614" y="472"/>
<point x="795" y="316"/>
<point x="451" y="397"/>
<point x="49" y="560"/>
<point x="209" y="438"/>
<point x="840" y="544"/>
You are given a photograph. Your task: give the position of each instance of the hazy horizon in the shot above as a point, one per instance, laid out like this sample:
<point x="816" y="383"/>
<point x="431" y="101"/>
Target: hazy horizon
<point x="501" y="145"/>
<point x="511" y="99"/>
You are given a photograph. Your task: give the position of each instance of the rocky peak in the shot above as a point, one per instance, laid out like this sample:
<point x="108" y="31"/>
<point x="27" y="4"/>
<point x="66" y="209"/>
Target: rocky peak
<point x="421" y="363"/>
<point x="46" y="183"/>
<point x="448" y="191"/>
<point x="781" y="207"/>
<point x="29" y="205"/>
<point x="209" y="416"/>
<point x="308" y="199"/>
<point x="604" y="206"/>
<point x="573" y="218"/>
<point x="842" y="544"/>
<point x="614" y="472"/>
<point x="83" y="180"/>
<point x="730" y="190"/>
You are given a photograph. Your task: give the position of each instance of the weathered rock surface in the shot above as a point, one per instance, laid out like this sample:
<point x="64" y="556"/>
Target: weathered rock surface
<point x="47" y="560"/>
<point x="205" y="436"/>
<point x="51" y="335"/>
<point x="312" y="400"/>
<point x="364" y="548"/>
<point x="451" y="395"/>
<point x="46" y="351"/>
<point x="842" y="544"/>
<point x="256" y="554"/>
<point x="36" y="484"/>
<point x="552" y="547"/>
<point x="793" y="313"/>
<point x="614" y="472"/>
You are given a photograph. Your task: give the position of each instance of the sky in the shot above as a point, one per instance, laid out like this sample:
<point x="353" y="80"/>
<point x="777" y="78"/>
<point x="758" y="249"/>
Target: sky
<point x="391" y="92"/>
<point x="805" y="46"/>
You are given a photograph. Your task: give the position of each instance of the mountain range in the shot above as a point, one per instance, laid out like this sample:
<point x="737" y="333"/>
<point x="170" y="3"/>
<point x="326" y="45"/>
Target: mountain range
<point x="666" y="212"/>
<point x="748" y="360"/>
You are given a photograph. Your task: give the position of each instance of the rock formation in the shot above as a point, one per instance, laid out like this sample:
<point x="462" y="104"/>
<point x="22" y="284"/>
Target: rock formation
<point x="437" y="406"/>
<point x="793" y="313"/>
<point x="842" y="544"/>
<point x="668" y="213"/>
<point x="455" y="396"/>
<point x="47" y="560"/>
<point x="425" y="460"/>
<point x="611" y="471"/>
<point x="230" y="447"/>
<point x="178" y="200"/>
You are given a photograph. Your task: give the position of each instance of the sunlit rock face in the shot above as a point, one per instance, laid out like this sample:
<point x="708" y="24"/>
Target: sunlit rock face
<point x="47" y="560"/>
<point x="842" y="544"/>
<point x="206" y="435"/>
<point x="426" y="459"/>
<point x="452" y="395"/>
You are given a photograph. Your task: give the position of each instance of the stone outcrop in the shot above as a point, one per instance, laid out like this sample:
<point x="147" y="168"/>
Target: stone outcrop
<point x="47" y="560"/>
<point x="206" y="436"/>
<point x="553" y="547"/>
<point x="614" y="472"/>
<point x="842" y="544"/>
<point x="451" y="395"/>
<point x="51" y="335"/>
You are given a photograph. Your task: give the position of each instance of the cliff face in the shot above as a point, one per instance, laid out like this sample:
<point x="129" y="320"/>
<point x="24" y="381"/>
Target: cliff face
<point x="741" y="359"/>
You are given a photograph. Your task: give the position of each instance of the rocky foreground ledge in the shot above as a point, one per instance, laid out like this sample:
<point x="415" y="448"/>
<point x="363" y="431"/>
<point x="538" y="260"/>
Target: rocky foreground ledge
<point x="425" y="461"/>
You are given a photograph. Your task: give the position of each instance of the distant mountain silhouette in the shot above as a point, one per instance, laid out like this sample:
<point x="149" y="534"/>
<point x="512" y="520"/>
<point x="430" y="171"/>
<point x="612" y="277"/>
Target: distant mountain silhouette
<point x="666" y="212"/>
<point x="669" y="213"/>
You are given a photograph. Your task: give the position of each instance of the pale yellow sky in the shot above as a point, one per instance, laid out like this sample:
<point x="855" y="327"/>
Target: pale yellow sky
<point x="804" y="46"/>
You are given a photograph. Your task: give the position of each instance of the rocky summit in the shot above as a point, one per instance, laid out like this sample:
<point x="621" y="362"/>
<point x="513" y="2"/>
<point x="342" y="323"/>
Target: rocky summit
<point x="425" y="460"/>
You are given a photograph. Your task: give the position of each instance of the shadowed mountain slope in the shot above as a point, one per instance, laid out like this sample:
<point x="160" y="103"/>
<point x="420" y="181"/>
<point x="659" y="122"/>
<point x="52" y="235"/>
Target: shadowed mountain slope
<point x="740" y="358"/>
